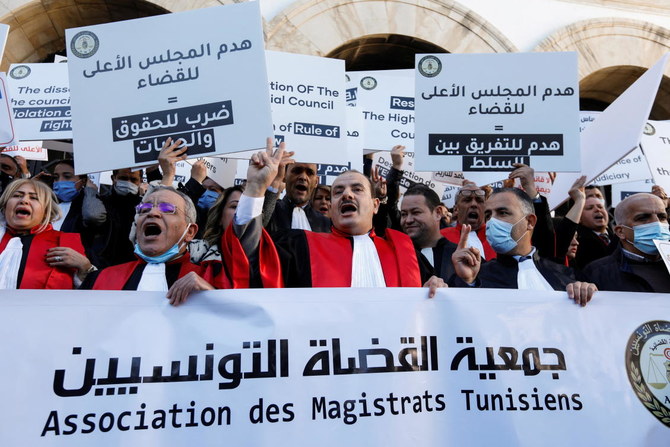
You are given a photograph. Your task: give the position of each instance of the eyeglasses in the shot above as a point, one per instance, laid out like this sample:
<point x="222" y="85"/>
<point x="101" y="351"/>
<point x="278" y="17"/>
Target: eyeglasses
<point x="472" y="192"/>
<point x="163" y="207"/>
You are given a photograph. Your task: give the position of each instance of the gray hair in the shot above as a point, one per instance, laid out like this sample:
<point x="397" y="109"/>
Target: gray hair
<point x="189" y="209"/>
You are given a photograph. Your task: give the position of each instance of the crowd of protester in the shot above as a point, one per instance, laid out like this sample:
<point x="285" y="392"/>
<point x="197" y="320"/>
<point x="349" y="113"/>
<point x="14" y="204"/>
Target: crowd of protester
<point x="282" y="229"/>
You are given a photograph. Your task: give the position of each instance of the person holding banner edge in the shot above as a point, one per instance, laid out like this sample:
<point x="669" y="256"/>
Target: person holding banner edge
<point x="351" y="256"/>
<point x="517" y="265"/>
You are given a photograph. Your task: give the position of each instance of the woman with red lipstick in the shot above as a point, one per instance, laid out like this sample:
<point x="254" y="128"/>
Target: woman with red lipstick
<point x="32" y="254"/>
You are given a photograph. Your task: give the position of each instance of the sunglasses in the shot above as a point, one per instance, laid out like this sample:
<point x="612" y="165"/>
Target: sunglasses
<point x="163" y="207"/>
<point x="472" y="192"/>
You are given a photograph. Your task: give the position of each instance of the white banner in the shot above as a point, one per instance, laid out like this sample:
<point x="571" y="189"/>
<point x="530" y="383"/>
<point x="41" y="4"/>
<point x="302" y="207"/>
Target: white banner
<point x="207" y="85"/>
<point x="341" y="366"/>
<point x="308" y="106"/>
<point x="485" y="112"/>
<point x="41" y="101"/>
<point x="622" y="190"/>
<point x="30" y="150"/>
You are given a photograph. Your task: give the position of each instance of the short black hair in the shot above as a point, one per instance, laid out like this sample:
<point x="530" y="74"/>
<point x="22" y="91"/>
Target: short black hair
<point x="526" y="202"/>
<point x="419" y="189"/>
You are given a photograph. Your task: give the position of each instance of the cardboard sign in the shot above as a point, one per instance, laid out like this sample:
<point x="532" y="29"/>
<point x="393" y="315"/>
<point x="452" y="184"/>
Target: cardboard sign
<point x="664" y="250"/>
<point x="8" y="133"/>
<point x="655" y="144"/>
<point x="485" y="112"/>
<point x="207" y="86"/>
<point x="386" y="101"/>
<point x="41" y="101"/>
<point x="383" y="161"/>
<point x="618" y="129"/>
<point x="622" y="190"/>
<point x="30" y="150"/>
<point x="221" y="170"/>
<point x="307" y="97"/>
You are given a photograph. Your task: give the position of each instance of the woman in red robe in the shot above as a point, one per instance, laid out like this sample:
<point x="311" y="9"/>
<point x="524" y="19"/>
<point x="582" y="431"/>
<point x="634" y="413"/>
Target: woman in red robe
<point x="32" y="254"/>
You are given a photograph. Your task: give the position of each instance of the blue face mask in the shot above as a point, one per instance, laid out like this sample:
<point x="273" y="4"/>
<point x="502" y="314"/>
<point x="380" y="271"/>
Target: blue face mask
<point x="65" y="190"/>
<point x="207" y="199"/>
<point x="499" y="235"/>
<point x="165" y="257"/>
<point x="644" y="235"/>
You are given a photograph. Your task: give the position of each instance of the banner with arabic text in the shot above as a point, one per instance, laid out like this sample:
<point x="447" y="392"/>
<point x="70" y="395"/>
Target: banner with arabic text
<point x="373" y="367"/>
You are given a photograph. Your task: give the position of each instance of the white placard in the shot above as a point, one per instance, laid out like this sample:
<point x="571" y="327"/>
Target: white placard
<point x="484" y="112"/>
<point x="630" y="168"/>
<point x="307" y="97"/>
<point x="655" y="144"/>
<point x="221" y="170"/>
<point x="386" y="101"/>
<point x="664" y="250"/>
<point x="41" y="101"/>
<point x="4" y="32"/>
<point x="382" y="161"/>
<point x="8" y="133"/>
<point x="30" y="150"/>
<point x="618" y="129"/>
<point x="260" y="366"/>
<point x="207" y="85"/>
<point x="622" y="190"/>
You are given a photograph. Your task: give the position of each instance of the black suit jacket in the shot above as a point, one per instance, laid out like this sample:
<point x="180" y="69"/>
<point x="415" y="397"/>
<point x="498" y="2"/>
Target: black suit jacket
<point x="283" y="215"/>
<point x="592" y="247"/>
<point x="501" y="273"/>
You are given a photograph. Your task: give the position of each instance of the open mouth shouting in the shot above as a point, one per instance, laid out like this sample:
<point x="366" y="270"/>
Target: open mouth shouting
<point x="151" y="231"/>
<point x="348" y="209"/>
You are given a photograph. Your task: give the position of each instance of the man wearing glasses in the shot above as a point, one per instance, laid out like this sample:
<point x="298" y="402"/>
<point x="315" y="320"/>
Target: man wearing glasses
<point x="469" y="209"/>
<point x="165" y="224"/>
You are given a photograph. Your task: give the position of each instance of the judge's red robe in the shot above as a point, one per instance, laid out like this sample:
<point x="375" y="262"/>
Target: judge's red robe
<point x="309" y="259"/>
<point x="34" y="272"/>
<point x="127" y="276"/>
<point x="453" y="234"/>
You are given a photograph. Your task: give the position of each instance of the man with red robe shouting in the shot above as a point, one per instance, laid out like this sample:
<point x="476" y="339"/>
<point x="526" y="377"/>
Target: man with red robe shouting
<point x="351" y="256"/>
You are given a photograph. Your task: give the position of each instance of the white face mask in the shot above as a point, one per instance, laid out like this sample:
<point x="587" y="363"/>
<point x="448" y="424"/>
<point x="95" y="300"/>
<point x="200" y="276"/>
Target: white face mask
<point x="124" y="188"/>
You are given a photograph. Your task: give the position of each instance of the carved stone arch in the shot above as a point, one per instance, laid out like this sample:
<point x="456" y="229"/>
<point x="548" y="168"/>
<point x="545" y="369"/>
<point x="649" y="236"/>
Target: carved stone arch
<point x="613" y="53"/>
<point x="319" y="27"/>
<point x="37" y="27"/>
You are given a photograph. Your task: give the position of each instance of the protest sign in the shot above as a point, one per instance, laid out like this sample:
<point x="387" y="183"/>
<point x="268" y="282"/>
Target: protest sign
<point x="622" y="190"/>
<point x="485" y="112"/>
<point x="8" y="134"/>
<point x="618" y="129"/>
<point x="307" y="97"/>
<point x="221" y="170"/>
<point x="664" y="249"/>
<point x="4" y="32"/>
<point x="41" y="101"/>
<point x="207" y="86"/>
<point x="263" y="365"/>
<point x="30" y="150"/>
<point x="655" y="144"/>
<point x="630" y="168"/>
<point x="383" y="162"/>
<point x="386" y="101"/>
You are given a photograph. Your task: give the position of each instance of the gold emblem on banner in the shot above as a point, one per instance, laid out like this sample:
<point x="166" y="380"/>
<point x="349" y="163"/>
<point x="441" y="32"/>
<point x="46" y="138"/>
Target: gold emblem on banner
<point x="648" y="367"/>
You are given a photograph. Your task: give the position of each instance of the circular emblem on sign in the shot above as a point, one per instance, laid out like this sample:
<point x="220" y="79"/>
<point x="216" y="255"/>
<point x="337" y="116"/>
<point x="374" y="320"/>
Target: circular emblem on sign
<point x="648" y="367"/>
<point x="84" y="44"/>
<point x="368" y="83"/>
<point x="20" y="72"/>
<point x="649" y="129"/>
<point x="430" y="66"/>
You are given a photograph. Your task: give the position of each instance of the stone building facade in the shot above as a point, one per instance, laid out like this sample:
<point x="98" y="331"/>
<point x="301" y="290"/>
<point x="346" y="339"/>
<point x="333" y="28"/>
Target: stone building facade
<point x="616" y="39"/>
